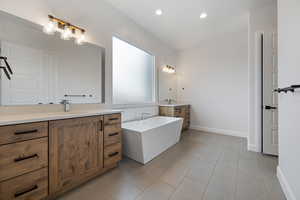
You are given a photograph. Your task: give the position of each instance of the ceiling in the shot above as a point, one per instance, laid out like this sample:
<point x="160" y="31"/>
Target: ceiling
<point x="180" y="25"/>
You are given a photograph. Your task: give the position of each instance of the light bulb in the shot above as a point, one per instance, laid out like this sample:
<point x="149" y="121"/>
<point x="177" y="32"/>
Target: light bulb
<point x="66" y="34"/>
<point x="158" y="12"/>
<point x="203" y="15"/>
<point x="49" y="28"/>
<point x="165" y="69"/>
<point x="81" y="39"/>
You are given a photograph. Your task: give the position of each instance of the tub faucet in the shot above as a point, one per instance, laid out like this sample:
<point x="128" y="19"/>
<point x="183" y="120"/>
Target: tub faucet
<point x="145" y="114"/>
<point x="66" y="104"/>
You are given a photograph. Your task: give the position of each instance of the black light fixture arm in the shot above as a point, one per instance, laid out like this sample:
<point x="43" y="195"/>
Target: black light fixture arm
<point x="7" y="65"/>
<point x="292" y="88"/>
<point x="7" y="70"/>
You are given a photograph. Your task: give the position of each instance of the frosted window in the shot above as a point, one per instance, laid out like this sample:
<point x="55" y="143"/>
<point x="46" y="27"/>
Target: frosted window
<point x="133" y="74"/>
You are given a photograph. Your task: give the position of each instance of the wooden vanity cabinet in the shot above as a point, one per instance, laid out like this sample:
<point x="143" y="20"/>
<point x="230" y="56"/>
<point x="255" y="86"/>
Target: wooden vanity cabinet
<point x="76" y="151"/>
<point x="81" y="148"/>
<point x="182" y="111"/>
<point x="24" y="161"/>
<point x="42" y="160"/>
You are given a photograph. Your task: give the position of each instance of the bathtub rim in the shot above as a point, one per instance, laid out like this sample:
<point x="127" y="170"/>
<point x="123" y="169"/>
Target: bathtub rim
<point x="174" y="120"/>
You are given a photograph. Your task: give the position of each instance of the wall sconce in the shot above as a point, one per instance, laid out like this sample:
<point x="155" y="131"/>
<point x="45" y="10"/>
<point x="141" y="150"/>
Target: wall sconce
<point x="66" y="29"/>
<point x="169" y="69"/>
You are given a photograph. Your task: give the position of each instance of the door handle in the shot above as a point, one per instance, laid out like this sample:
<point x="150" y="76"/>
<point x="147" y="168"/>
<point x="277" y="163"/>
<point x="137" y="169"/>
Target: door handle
<point x="270" y="108"/>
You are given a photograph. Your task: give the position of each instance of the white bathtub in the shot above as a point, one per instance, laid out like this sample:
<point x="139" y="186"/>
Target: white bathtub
<point x="145" y="139"/>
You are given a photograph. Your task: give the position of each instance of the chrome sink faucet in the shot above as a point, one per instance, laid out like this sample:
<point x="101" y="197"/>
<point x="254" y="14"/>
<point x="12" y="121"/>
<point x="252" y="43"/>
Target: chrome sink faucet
<point x="169" y="100"/>
<point x="66" y="104"/>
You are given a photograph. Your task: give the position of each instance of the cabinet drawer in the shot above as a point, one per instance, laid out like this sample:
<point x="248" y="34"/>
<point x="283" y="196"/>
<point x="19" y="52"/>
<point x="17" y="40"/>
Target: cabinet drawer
<point x="112" y="134"/>
<point x="112" y="154"/>
<point x="112" y="119"/>
<point x="31" y="186"/>
<point x="21" y="132"/>
<point x="23" y="157"/>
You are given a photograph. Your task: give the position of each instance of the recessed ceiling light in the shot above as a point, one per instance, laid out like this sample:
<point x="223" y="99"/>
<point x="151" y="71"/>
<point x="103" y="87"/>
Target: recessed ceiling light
<point x="158" y="12"/>
<point x="203" y="15"/>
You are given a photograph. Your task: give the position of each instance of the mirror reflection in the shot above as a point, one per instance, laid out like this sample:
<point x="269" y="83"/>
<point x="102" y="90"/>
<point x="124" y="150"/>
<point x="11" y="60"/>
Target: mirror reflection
<point x="46" y="69"/>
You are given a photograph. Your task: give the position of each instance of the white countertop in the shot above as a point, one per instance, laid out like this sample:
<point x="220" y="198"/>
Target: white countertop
<point x="38" y="117"/>
<point x="174" y="104"/>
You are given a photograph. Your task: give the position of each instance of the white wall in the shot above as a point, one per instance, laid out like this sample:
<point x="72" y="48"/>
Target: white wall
<point x="289" y="104"/>
<point x="215" y="81"/>
<point x="102" y="22"/>
<point x="263" y="19"/>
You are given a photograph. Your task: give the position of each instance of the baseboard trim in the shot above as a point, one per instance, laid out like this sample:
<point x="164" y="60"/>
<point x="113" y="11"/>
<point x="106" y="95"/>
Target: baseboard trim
<point x="220" y="131"/>
<point x="285" y="185"/>
<point x="252" y="147"/>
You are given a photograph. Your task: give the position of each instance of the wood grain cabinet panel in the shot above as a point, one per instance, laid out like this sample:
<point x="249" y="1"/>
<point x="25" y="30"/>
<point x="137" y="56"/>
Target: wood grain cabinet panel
<point x="22" y="132"/>
<point x="31" y="186"/>
<point x="112" y="154"/>
<point x="112" y="119"/>
<point x="177" y="111"/>
<point x="112" y="134"/>
<point x="76" y="150"/>
<point x="23" y="157"/>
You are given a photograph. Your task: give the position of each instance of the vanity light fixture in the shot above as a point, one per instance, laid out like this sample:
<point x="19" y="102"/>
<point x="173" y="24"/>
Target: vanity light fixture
<point x="169" y="69"/>
<point x="66" y="29"/>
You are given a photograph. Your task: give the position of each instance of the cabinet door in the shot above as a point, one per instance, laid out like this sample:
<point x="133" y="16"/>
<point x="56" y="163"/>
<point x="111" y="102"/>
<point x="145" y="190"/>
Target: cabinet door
<point x="76" y="151"/>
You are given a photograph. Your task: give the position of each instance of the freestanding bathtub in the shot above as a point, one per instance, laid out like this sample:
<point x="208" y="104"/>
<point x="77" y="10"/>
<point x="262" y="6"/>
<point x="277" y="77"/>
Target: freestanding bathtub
<point x="145" y="139"/>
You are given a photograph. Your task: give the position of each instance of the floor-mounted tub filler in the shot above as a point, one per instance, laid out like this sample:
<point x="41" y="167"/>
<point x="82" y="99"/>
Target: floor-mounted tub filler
<point x="145" y="139"/>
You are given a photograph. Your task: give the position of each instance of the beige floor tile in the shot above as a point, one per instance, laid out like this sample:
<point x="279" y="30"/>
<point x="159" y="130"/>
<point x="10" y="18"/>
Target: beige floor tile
<point x="189" y="190"/>
<point x="274" y="189"/>
<point x="220" y="188"/>
<point x="144" y="179"/>
<point x="87" y="191"/>
<point x="202" y="166"/>
<point x="250" y="187"/>
<point x="202" y="172"/>
<point x="157" y="191"/>
<point x="175" y="174"/>
<point x="222" y="185"/>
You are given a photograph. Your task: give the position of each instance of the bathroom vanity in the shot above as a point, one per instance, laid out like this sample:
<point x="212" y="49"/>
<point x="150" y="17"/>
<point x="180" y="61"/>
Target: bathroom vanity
<point x="45" y="155"/>
<point x="176" y="110"/>
<point x="44" y="151"/>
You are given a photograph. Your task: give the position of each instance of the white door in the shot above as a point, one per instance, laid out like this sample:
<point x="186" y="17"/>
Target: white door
<point x="270" y="98"/>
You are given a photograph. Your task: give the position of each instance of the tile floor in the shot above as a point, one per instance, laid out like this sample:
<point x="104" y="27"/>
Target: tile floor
<point x="203" y="166"/>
